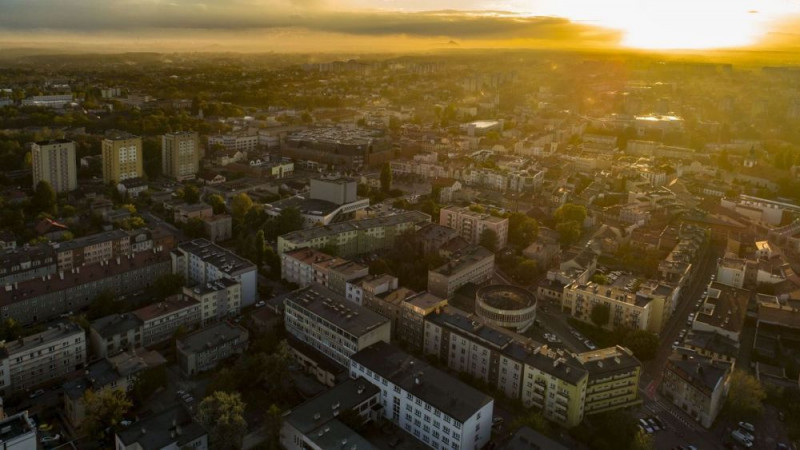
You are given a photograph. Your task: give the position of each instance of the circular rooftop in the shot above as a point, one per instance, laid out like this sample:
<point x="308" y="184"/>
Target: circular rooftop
<point x="506" y="306"/>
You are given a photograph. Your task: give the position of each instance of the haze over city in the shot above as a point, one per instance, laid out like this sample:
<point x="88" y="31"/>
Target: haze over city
<point x="400" y="225"/>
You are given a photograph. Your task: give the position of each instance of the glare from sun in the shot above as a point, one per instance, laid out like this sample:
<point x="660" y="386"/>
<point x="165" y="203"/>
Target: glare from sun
<point x="669" y="24"/>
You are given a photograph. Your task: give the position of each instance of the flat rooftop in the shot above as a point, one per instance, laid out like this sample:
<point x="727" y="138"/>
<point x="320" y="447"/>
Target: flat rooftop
<point x="464" y="260"/>
<point x="725" y="307"/>
<point x="346" y="395"/>
<point x="607" y="361"/>
<point x="211" y="336"/>
<point x="115" y="324"/>
<point x="334" y="308"/>
<point x="52" y="334"/>
<point x="166" y="307"/>
<point x="302" y="236"/>
<point x="221" y="258"/>
<point x="442" y="391"/>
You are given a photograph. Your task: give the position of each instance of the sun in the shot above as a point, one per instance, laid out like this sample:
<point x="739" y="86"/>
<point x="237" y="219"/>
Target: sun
<point x="670" y="24"/>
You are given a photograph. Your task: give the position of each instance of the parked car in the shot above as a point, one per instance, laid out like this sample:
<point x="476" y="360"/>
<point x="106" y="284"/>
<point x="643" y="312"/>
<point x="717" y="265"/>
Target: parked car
<point x="740" y="438"/>
<point x="36" y="393"/>
<point x="589" y="344"/>
<point x="747" y="427"/>
<point x="260" y="304"/>
<point x="653" y="424"/>
<point x="50" y="439"/>
<point x="645" y="426"/>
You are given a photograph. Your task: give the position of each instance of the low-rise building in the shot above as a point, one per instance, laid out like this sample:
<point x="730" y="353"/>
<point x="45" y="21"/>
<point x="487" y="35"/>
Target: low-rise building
<point x="697" y="385"/>
<point x="332" y="325"/>
<point x="356" y="236"/>
<point x="200" y="261"/>
<point x="218" y="299"/>
<point x="307" y="265"/>
<point x="18" y="432"/>
<point x="161" y="320"/>
<point x="171" y="429"/>
<point x="472" y="265"/>
<point x="429" y="404"/>
<point x="205" y="348"/>
<point x="186" y="212"/>
<point x="315" y="424"/>
<point x="42" y="357"/>
<point x="470" y="224"/>
<point x="723" y="311"/>
<point x="613" y="379"/>
<point x="112" y="334"/>
<point x="218" y="227"/>
<point x="117" y="372"/>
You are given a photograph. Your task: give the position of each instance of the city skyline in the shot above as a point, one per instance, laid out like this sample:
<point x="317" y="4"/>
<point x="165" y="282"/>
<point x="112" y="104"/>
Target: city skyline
<point x="373" y="25"/>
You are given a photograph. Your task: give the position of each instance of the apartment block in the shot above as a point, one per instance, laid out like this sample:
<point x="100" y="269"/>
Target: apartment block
<point x="440" y="411"/>
<point x="203" y="349"/>
<point x="180" y="155"/>
<point x="234" y="142"/>
<point x="41" y="357"/>
<point x="54" y="162"/>
<point x="632" y="304"/>
<point x="315" y="424"/>
<point x="613" y="379"/>
<point x="44" y="299"/>
<point x="218" y="299"/>
<point x="161" y="320"/>
<point x="470" y="224"/>
<point x="200" y="261"/>
<point x="723" y="311"/>
<point x="356" y="236"/>
<point x="170" y="429"/>
<point x="472" y="265"/>
<point x="306" y="266"/>
<point x="697" y="385"/>
<point x="330" y="324"/>
<point x="122" y="157"/>
<point x="116" y="333"/>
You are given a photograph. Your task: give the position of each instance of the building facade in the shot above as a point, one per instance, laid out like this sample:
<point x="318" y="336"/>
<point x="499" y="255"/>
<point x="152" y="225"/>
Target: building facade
<point x="471" y="265"/>
<point x="180" y="155"/>
<point x="122" y="158"/>
<point x="205" y="348"/>
<point x="161" y="320"/>
<point x="333" y="326"/>
<point x="54" y="162"/>
<point x="437" y="409"/>
<point x="200" y="261"/>
<point x="470" y="224"/>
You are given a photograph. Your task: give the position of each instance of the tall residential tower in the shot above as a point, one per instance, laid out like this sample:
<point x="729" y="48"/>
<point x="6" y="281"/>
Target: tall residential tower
<point x="122" y="157"/>
<point x="180" y="155"/>
<point x="54" y="162"/>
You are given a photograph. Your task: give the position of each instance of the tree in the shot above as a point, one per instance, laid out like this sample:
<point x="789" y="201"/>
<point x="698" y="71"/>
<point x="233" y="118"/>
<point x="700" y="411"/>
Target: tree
<point x="534" y="420"/>
<point x="525" y="272"/>
<point x="167" y="284"/>
<point x="745" y="396"/>
<point x="104" y="304"/>
<point x="289" y="219"/>
<point x="600" y="314"/>
<point x="273" y="421"/>
<point x="10" y="330"/>
<point x="599" y="278"/>
<point x="147" y="382"/>
<point x="44" y="198"/>
<point x="217" y="203"/>
<point x="386" y="178"/>
<point x="568" y="232"/>
<point x="104" y="409"/>
<point x="642" y="441"/>
<point x="222" y="414"/>
<point x="194" y="228"/>
<point x="570" y="212"/>
<point x="258" y="249"/>
<point x="642" y="343"/>
<point x="191" y="194"/>
<point x="379" y="266"/>
<point x="522" y="230"/>
<point x="240" y="205"/>
<point x="488" y="240"/>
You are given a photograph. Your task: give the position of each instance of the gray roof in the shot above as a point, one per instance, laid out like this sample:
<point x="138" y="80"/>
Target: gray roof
<point x="219" y="257"/>
<point x="212" y="335"/>
<point x="305" y="205"/>
<point x="713" y="342"/>
<point x="115" y="324"/>
<point x="337" y="435"/>
<point x="437" y="388"/>
<point x="155" y="431"/>
<point x="527" y="438"/>
<point x="56" y="332"/>
<point x="301" y="236"/>
<point x="347" y="395"/>
<point x="471" y="327"/>
<point x="702" y="373"/>
<point x="92" y="239"/>
<point x="355" y="319"/>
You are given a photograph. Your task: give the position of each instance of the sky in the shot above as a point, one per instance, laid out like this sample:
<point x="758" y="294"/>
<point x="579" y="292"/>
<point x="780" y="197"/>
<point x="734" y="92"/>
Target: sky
<point x="398" y="25"/>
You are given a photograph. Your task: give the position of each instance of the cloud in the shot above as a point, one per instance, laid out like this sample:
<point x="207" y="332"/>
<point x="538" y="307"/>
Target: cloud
<point x="169" y="16"/>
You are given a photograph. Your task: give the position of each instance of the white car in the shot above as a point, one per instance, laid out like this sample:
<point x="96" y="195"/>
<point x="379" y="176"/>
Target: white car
<point x="50" y="439"/>
<point x="747" y="426"/>
<point x="645" y="426"/>
<point x="589" y="344"/>
<point x="260" y="304"/>
<point x="739" y="437"/>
